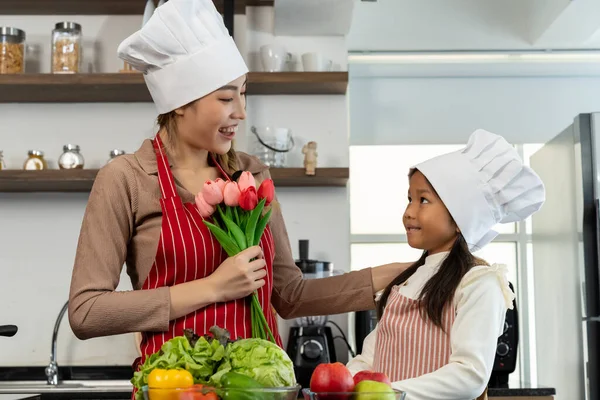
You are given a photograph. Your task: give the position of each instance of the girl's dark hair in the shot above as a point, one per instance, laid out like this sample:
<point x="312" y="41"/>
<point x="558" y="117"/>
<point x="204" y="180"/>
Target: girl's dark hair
<point x="439" y="290"/>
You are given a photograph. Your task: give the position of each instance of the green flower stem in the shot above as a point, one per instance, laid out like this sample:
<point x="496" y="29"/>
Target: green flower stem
<point x="263" y="320"/>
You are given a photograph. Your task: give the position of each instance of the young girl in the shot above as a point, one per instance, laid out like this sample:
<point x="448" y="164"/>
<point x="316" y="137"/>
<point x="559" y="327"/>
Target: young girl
<point x="441" y="318"/>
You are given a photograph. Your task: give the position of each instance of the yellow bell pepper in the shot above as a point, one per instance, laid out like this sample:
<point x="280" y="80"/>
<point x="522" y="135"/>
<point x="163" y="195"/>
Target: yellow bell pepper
<point x="163" y="383"/>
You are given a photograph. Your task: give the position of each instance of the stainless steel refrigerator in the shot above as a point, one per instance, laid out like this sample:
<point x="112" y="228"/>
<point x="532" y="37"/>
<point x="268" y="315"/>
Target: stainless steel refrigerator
<point x="565" y="256"/>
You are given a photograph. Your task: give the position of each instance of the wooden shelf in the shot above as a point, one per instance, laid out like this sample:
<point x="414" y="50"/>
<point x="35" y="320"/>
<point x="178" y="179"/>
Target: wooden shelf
<point x="297" y="177"/>
<point x="130" y="87"/>
<point x="275" y="83"/>
<point x="78" y="180"/>
<point x="82" y="180"/>
<point x="98" y="7"/>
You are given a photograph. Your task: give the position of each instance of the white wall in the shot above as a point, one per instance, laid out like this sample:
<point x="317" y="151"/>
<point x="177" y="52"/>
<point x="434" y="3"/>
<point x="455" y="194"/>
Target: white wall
<point x="39" y="231"/>
<point x="435" y="110"/>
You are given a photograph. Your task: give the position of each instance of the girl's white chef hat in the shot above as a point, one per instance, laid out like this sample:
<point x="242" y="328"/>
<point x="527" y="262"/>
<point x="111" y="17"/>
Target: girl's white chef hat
<point x="185" y="52"/>
<point x="484" y="184"/>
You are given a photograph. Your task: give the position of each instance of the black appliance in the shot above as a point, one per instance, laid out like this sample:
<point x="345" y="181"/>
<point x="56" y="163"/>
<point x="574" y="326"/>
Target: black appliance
<point x="311" y="343"/>
<point x="505" y="362"/>
<point x="312" y="268"/>
<point x="364" y="323"/>
<point x="309" y="346"/>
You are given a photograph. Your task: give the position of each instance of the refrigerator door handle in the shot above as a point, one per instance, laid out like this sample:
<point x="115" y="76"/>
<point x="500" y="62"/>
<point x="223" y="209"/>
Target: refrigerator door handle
<point x="592" y="319"/>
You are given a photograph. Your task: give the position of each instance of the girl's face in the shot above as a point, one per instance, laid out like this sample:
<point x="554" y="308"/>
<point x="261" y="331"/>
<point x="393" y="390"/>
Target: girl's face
<point x="428" y="223"/>
<point x="211" y="122"/>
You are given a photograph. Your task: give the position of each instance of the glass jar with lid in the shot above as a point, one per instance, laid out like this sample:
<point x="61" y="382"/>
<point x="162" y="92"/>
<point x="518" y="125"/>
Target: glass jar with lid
<point x="12" y="50"/>
<point x="66" y="48"/>
<point x="71" y="158"/>
<point x="114" y="154"/>
<point x="35" y="161"/>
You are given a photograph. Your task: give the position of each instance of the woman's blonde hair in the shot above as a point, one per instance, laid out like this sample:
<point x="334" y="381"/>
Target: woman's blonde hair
<point x="168" y="121"/>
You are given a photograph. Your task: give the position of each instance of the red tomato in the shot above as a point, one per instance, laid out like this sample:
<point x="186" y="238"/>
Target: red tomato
<point x="196" y="393"/>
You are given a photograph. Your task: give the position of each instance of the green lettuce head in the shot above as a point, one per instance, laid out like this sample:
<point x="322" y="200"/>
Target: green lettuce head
<point x="200" y="356"/>
<point x="259" y="359"/>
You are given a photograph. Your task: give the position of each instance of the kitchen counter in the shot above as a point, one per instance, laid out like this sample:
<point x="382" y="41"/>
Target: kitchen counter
<point x="521" y="391"/>
<point x="85" y="383"/>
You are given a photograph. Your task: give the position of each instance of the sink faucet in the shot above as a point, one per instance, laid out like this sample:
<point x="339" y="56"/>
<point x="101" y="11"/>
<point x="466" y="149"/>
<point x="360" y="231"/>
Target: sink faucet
<point x="52" y="368"/>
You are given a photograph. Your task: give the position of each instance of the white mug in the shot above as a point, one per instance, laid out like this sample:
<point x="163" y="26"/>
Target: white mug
<point x="316" y="62"/>
<point x="274" y="57"/>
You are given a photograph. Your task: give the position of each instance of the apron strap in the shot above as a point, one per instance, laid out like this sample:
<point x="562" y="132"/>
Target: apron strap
<point x="165" y="176"/>
<point x="225" y="174"/>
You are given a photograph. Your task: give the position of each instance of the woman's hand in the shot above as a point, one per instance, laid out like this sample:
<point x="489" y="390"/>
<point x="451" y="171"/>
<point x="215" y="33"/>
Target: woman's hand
<point x="235" y="278"/>
<point x="240" y="275"/>
<point x="383" y="275"/>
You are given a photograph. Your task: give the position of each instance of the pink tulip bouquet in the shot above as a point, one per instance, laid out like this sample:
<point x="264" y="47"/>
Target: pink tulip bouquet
<point x="238" y="222"/>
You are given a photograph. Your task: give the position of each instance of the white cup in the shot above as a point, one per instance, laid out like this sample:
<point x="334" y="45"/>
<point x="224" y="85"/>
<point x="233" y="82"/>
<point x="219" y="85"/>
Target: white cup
<point x="316" y="62"/>
<point x="274" y="57"/>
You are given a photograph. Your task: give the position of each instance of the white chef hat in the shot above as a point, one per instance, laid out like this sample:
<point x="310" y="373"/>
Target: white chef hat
<point x="185" y="52"/>
<point x="484" y="184"/>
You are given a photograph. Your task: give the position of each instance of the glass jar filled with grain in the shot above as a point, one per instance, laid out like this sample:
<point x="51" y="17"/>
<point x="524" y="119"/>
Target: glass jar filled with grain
<point x="66" y="48"/>
<point x="12" y="50"/>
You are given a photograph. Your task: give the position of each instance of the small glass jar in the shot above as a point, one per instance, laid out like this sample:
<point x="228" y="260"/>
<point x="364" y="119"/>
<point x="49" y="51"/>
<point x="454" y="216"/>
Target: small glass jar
<point x="66" y="48"/>
<point x="35" y="161"/>
<point x="71" y="158"/>
<point x="114" y="154"/>
<point x="12" y="50"/>
<point x="2" y="165"/>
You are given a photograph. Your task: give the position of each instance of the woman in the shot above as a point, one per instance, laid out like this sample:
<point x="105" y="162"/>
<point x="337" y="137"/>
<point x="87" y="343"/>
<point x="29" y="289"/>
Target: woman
<point x="141" y="209"/>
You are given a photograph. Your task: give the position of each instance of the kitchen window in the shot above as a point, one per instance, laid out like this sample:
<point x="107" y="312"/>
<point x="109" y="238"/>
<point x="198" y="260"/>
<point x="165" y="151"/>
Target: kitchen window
<point x="378" y="196"/>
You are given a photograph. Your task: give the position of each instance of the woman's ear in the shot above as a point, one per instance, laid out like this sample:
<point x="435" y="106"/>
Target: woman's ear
<point x="179" y="111"/>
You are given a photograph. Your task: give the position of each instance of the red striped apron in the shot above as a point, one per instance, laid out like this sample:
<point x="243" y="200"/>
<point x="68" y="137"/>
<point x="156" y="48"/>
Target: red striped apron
<point x="188" y="251"/>
<point x="409" y="345"/>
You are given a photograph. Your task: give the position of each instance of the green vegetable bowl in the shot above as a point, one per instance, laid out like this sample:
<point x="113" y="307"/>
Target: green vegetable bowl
<point x="200" y="392"/>
<point x="397" y="395"/>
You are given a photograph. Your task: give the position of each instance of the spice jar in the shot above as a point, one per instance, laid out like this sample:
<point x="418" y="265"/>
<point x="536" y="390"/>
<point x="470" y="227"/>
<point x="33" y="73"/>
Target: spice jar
<point x="12" y="50"/>
<point x="70" y="158"/>
<point x="114" y="154"/>
<point x="35" y="161"/>
<point x="2" y="165"/>
<point x="66" y="48"/>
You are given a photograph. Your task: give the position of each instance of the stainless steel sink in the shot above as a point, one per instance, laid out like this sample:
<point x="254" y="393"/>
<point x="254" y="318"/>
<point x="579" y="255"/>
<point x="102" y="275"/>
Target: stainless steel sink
<point x="40" y="387"/>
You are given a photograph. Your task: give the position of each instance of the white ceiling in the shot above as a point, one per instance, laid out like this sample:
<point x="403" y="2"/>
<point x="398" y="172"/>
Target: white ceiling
<point x="432" y="25"/>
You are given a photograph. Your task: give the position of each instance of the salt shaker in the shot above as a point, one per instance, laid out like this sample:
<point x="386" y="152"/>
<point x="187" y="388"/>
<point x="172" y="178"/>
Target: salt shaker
<point x="71" y="158"/>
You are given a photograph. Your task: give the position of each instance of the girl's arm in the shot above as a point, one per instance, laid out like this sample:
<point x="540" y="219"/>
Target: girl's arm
<point x="364" y="361"/>
<point x="481" y="302"/>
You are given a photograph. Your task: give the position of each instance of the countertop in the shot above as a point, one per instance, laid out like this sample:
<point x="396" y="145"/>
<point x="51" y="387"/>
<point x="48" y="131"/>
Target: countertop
<point x="121" y="372"/>
<point x="521" y="390"/>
